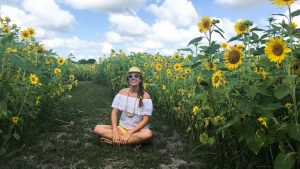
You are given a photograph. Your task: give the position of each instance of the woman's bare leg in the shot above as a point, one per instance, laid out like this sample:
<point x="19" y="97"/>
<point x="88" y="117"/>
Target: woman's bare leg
<point x="104" y="131"/>
<point x="139" y="137"/>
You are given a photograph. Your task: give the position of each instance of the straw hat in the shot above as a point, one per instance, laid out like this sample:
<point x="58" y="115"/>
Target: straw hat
<point x="135" y="69"/>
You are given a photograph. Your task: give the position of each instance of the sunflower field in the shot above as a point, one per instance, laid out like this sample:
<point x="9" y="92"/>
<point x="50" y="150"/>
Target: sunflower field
<point x="33" y="81"/>
<point x="240" y="98"/>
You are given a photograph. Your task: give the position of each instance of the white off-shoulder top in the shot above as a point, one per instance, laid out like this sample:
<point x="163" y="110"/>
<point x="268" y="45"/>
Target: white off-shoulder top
<point x="119" y="103"/>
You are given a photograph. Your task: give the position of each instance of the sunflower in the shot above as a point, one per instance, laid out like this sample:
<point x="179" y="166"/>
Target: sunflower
<point x="7" y="19"/>
<point x="57" y="70"/>
<point x="33" y="79"/>
<point x="25" y="35"/>
<point x="258" y="70"/>
<point x="283" y="2"/>
<point x="177" y="67"/>
<point x="175" y="78"/>
<point x="60" y="60"/>
<point x="183" y="76"/>
<point x="276" y="50"/>
<point x="216" y="79"/>
<point x="187" y="70"/>
<point x="199" y="79"/>
<point x="224" y="45"/>
<point x="288" y="105"/>
<point x="31" y="31"/>
<point x="263" y="121"/>
<point x="293" y="25"/>
<point x="205" y="24"/>
<point x="176" y="56"/>
<point x="145" y="64"/>
<point x="158" y="67"/>
<point x="40" y="49"/>
<point x="72" y="77"/>
<point x="211" y="66"/>
<point x="156" y="75"/>
<point x="5" y="29"/>
<point x="195" y="110"/>
<point x="164" y="87"/>
<point x="233" y="57"/>
<point x="241" y="27"/>
<point x="15" y="119"/>
<point x="265" y="75"/>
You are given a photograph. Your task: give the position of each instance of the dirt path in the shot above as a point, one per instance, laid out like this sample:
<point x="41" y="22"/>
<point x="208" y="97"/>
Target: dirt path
<point x="68" y="140"/>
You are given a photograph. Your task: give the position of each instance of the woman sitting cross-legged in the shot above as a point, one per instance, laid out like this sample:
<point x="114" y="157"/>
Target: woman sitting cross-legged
<point x="136" y="107"/>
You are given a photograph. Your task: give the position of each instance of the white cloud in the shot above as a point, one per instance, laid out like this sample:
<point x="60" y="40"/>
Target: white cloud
<point x="241" y="4"/>
<point x="114" y="37"/>
<point x="49" y="15"/>
<point x="135" y="50"/>
<point x="168" y="33"/>
<point x="45" y="16"/>
<point x="108" y="5"/>
<point x="80" y="48"/>
<point x="106" y="47"/>
<point x="179" y="12"/>
<point x="128" y="24"/>
<point x="149" y="44"/>
<point x="71" y="43"/>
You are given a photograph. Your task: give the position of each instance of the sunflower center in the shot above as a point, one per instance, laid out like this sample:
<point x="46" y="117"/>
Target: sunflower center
<point x="242" y="27"/>
<point x="216" y="79"/>
<point x="206" y="24"/>
<point x="234" y="57"/>
<point x="278" y="49"/>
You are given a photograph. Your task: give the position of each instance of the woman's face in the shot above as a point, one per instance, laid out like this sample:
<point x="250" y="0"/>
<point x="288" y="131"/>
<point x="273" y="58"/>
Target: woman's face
<point x="134" y="79"/>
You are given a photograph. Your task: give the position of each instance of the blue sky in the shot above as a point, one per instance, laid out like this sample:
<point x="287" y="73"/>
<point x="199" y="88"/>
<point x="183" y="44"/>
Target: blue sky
<point x="91" y="28"/>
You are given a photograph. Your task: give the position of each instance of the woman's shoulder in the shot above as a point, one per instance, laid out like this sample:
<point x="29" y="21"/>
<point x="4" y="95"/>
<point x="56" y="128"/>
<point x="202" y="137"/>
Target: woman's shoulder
<point x="146" y="95"/>
<point x="124" y="91"/>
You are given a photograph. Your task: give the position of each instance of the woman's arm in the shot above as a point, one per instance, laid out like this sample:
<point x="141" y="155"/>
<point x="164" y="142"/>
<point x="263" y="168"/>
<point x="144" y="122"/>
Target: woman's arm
<point x="114" y="118"/>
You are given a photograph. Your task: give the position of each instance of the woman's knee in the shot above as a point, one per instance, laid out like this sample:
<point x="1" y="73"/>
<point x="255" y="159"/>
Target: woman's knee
<point x="148" y="134"/>
<point x="98" y="129"/>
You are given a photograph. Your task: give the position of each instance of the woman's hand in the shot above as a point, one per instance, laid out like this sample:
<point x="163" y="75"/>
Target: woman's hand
<point x="124" y="138"/>
<point x="116" y="137"/>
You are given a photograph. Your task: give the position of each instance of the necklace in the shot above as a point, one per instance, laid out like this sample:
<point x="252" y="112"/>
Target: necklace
<point x="126" y="112"/>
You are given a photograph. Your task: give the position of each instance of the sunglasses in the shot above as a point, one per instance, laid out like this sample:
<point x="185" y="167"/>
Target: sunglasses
<point x="131" y="75"/>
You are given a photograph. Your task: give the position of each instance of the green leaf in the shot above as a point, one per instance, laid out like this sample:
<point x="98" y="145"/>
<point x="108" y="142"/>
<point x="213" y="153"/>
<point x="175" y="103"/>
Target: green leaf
<point x="280" y="15"/>
<point x="186" y="49"/>
<point x="219" y="33"/>
<point x="195" y="41"/>
<point x="282" y="91"/>
<point x="235" y="38"/>
<point x="295" y="13"/>
<point x="271" y="106"/>
<point x="294" y="131"/>
<point x="297" y="51"/>
<point x="255" y="142"/>
<point x="234" y="121"/>
<point x="284" y="161"/>
<point x="245" y="106"/>
<point x="256" y="29"/>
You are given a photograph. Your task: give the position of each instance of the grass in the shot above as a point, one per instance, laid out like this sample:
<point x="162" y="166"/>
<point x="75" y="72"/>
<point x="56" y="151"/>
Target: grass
<point x="67" y="141"/>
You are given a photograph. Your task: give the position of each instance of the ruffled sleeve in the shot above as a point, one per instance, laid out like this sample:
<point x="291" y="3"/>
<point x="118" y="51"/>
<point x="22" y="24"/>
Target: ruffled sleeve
<point x="147" y="108"/>
<point x="116" y="102"/>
